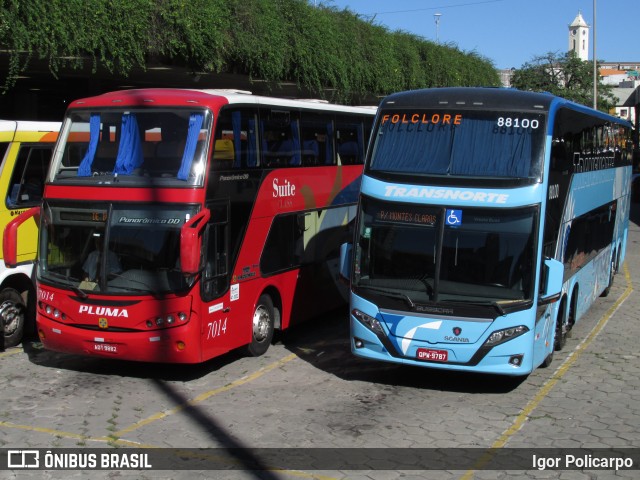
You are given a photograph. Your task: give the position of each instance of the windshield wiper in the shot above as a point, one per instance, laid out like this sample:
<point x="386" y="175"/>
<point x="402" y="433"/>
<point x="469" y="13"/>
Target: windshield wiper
<point x="387" y="293"/>
<point x="489" y="303"/>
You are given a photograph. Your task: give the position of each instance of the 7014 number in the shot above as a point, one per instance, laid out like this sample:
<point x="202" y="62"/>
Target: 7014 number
<point x="216" y="328"/>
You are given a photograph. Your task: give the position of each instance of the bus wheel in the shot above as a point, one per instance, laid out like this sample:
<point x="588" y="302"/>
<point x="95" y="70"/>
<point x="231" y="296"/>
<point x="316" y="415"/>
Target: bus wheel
<point x="262" y="327"/>
<point x="612" y="272"/>
<point x="560" y="338"/>
<point x="547" y="361"/>
<point x="12" y="316"/>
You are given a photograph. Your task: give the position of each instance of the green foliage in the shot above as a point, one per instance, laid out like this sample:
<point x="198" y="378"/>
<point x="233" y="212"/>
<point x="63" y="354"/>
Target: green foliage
<point x="331" y="53"/>
<point x="565" y="76"/>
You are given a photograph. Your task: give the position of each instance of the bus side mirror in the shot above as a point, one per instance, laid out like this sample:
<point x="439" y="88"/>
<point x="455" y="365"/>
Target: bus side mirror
<point x="346" y="250"/>
<point x="191" y="242"/>
<point x="554" y="277"/>
<point x="10" y="237"/>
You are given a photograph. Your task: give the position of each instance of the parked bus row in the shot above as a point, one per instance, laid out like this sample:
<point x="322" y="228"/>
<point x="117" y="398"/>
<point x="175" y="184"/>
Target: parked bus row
<point x="178" y="225"/>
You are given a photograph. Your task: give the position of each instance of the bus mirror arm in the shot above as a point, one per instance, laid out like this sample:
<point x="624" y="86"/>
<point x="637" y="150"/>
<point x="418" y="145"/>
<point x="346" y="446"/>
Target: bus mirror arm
<point x="191" y="242"/>
<point x="554" y="277"/>
<point x="10" y="238"/>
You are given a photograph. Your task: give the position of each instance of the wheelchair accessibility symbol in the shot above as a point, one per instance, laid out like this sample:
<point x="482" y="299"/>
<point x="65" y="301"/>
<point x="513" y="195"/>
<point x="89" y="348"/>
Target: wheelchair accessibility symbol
<point x="453" y="217"/>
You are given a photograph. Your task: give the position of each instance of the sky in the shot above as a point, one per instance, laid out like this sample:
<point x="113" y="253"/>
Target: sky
<point x="510" y="33"/>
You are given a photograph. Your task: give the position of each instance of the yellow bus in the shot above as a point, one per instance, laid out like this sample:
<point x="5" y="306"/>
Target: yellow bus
<point x="25" y="150"/>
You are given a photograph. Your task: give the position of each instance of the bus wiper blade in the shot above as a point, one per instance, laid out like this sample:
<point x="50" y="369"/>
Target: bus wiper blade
<point x="387" y="293"/>
<point x="490" y="303"/>
<point x="78" y="291"/>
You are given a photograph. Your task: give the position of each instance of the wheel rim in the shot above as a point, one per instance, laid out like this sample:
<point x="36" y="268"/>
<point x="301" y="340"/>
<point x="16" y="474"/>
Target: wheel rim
<point x="10" y="316"/>
<point x="261" y="322"/>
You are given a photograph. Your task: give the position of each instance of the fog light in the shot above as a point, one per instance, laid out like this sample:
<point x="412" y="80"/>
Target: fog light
<point x="159" y="321"/>
<point x="180" y="345"/>
<point x="516" y="360"/>
<point x="171" y="319"/>
<point x="48" y="309"/>
<point x="182" y="316"/>
<point x="358" y="343"/>
<point x="56" y="313"/>
<point x="149" y="323"/>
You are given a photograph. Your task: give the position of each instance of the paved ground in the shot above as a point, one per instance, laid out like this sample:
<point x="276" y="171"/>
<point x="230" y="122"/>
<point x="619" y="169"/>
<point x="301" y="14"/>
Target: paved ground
<point x="309" y="392"/>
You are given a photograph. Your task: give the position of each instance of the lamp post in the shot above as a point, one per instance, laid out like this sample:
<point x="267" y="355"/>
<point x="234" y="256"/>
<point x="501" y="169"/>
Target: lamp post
<point x="436" y="17"/>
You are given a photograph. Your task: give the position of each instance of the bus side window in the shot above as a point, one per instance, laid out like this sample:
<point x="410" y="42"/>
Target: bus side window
<point x="27" y="180"/>
<point x="235" y="140"/>
<point x="280" y="139"/>
<point x="350" y="142"/>
<point x="315" y="133"/>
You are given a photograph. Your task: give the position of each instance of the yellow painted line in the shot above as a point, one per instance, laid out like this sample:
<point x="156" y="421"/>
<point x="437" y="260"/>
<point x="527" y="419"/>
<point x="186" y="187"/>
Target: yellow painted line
<point x="49" y="431"/>
<point x="114" y="437"/>
<point x="11" y="351"/>
<point x="555" y="378"/>
<point x="204" y="396"/>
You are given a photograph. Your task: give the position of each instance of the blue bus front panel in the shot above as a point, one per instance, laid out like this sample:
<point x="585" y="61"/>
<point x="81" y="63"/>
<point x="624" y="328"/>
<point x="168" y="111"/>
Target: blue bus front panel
<point x="445" y="343"/>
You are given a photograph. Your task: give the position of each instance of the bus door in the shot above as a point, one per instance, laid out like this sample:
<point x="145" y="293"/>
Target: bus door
<point x="218" y="336"/>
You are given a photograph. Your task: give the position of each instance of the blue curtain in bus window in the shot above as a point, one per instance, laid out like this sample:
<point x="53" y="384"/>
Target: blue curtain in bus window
<point x="195" y="124"/>
<point x="236" y="123"/>
<point x="252" y="154"/>
<point x="130" y="149"/>
<point x="425" y="150"/>
<point x="480" y="149"/>
<point x="84" y="169"/>
<point x="296" y="158"/>
<point x="329" y="145"/>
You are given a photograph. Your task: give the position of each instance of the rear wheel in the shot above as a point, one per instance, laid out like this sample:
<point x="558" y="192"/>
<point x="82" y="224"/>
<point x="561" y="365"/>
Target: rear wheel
<point x="612" y="272"/>
<point x="12" y="316"/>
<point x="262" y="326"/>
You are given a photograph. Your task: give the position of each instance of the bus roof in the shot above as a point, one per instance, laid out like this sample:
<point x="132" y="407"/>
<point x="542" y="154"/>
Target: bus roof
<point x="486" y="97"/>
<point x="28" y="126"/>
<point x="206" y="98"/>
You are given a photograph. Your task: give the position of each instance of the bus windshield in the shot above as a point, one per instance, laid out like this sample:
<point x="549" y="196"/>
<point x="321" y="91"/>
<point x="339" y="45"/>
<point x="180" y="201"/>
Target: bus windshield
<point x="422" y="254"/>
<point x="113" y="249"/>
<point x="477" y="144"/>
<point x="165" y="147"/>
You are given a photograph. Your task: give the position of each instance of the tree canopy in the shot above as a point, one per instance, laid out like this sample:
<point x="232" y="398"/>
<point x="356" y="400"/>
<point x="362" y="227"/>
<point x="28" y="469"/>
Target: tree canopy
<point x="333" y="53"/>
<point x="566" y="76"/>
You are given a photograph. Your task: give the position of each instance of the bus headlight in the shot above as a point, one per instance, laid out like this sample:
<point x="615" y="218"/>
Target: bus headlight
<point x="368" y="321"/>
<point x="504" y="335"/>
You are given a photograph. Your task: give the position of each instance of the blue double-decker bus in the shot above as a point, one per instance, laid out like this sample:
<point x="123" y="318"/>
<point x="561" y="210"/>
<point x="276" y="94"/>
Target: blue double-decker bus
<point x="489" y="221"/>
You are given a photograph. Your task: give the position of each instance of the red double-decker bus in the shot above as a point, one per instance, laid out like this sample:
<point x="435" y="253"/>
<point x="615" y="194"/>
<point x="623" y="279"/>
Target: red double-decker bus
<point x="178" y="225"/>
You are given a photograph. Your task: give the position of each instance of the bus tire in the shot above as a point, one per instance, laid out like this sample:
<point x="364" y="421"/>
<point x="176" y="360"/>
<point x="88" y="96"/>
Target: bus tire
<point x="12" y="316"/>
<point x="262" y="326"/>
<point x="612" y="271"/>
<point x="560" y="337"/>
<point x="547" y="361"/>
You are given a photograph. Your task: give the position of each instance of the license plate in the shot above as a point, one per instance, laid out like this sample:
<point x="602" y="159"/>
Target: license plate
<point x="432" y="355"/>
<point x="105" y="347"/>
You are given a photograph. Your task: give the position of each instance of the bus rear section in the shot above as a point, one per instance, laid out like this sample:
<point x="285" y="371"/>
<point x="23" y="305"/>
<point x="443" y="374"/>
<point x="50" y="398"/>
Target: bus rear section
<point x="477" y="244"/>
<point x="25" y="150"/>
<point x="182" y="224"/>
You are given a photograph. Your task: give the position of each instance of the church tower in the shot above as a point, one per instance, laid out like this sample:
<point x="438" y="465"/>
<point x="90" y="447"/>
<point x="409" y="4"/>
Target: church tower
<point x="579" y="37"/>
